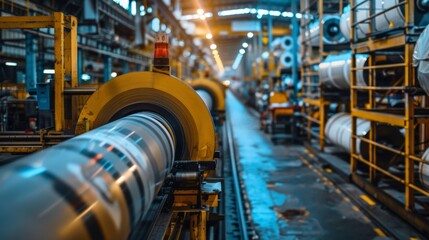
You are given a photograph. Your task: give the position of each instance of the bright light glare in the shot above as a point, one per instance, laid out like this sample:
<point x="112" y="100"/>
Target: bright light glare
<point x="237" y="61"/>
<point x="249" y="34"/>
<point x="242" y="51"/>
<point x="200" y="11"/>
<point x="12" y="64"/>
<point x="209" y="36"/>
<point x="213" y="46"/>
<point x="245" y="45"/>
<point x="113" y="74"/>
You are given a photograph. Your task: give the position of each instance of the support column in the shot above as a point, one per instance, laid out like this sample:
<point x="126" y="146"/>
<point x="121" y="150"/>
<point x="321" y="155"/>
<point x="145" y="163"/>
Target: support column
<point x="107" y="68"/>
<point x="295" y="32"/>
<point x="30" y="62"/>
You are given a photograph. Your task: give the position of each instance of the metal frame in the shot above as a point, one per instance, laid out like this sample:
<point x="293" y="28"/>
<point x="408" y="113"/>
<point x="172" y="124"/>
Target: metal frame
<point x="313" y="101"/>
<point x="405" y="118"/>
<point x="65" y="36"/>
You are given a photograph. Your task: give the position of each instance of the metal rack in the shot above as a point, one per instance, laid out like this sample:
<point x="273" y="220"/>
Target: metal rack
<point x="397" y="189"/>
<point x="314" y="96"/>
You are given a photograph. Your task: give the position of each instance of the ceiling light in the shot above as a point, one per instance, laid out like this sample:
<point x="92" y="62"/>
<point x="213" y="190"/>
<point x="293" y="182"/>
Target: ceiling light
<point x="113" y="74"/>
<point x="12" y="64"/>
<point x="209" y="36"/>
<point x="213" y="46"/>
<point x="249" y="34"/>
<point x="202" y="17"/>
<point x="242" y="51"/>
<point x="200" y="11"/>
<point x="215" y="52"/>
<point x="245" y="45"/>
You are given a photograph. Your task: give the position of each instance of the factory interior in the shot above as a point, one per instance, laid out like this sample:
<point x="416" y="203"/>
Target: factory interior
<point x="214" y="119"/>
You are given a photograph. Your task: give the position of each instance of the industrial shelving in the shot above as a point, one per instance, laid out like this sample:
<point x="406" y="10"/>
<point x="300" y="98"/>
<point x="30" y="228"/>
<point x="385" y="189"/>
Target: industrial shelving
<point x="396" y="187"/>
<point x="314" y="94"/>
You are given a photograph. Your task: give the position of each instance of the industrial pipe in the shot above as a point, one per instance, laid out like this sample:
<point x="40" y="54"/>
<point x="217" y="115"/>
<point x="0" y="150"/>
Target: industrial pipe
<point x="421" y="59"/>
<point x="206" y="97"/>
<point x="95" y="186"/>
<point x="338" y="132"/>
<point x="331" y="31"/>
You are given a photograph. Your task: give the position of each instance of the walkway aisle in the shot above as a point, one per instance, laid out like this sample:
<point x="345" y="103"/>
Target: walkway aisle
<point x="288" y="199"/>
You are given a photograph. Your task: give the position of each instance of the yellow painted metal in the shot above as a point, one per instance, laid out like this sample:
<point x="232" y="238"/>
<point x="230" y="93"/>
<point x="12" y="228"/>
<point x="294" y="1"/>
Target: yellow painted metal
<point x="198" y="225"/>
<point x="59" y="70"/>
<point x="157" y="89"/>
<point x="396" y="120"/>
<point x="65" y="51"/>
<point x="407" y="119"/>
<point x="214" y="88"/>
<point x="278" y="97"/>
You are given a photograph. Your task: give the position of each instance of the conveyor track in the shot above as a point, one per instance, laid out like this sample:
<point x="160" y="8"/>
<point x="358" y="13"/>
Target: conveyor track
<point x="237" y="219"/>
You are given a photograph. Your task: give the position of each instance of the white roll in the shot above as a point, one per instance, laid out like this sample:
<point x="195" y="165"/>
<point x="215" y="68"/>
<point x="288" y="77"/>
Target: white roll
<point x="421" y="60"/>
<point x="206" y="97"/>
<point x="335" y="70"/>
<point x="362" y="29"/>
<point x="331" y="31"/>
<point x="286" y="43"/>
<point x="286" y="60"/>
<point x="391" y="19"/>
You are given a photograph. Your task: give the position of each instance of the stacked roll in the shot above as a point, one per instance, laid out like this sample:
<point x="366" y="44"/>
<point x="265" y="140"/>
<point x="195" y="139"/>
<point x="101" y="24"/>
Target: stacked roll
<point x="331" y="31"/>
<point x="283" y="49"/>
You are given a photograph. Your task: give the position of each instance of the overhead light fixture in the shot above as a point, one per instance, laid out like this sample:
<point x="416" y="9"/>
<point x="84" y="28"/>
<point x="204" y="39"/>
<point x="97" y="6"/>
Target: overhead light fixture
<point x="215" y="52"/>
<point x="49" y="71"/>
<point x="213" y="46"/>
<point x="200" y="11"/>
<point x="242" y="51"/>
<point x="209" y="36"/>
<point x="202" y="17"/>
<point x="12" y="64"/>
<point x="85" y="77"/>
<point x="237" y="61"/>
<point x="245" y="45"/>
<point x="113" y="74"/>
<point x="249" y="34"/>
<point x="259" y="16"/>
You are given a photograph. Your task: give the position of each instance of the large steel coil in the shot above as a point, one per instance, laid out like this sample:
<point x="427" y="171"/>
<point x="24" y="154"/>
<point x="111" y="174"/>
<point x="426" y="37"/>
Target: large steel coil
<point x="206" y="98"/>
<point x="335" y="71"/>
<point x="95" y="186"/>
<point x="331" y="31"/>
<point x="421" y="60"/>
<point x="338" y="132"/>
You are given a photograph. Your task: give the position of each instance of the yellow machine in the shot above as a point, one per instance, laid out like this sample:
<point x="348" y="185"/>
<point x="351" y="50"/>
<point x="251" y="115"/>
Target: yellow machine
<point x="213" y="92"/>
<point x="145" y="141"/>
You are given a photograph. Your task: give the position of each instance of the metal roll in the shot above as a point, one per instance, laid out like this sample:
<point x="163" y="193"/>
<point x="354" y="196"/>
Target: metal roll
<point x="338" y="132"/>
<point x="331" y="31"/>
<point x="95" y="186"/>
<point x="207" y="98"/>
<point x="216" y="91"/>
<point x="286" y="60"/>
<point x="334" y="70"/>
<point x="424" y="170"/>
<point x="421" y="60"/>
<point x="286" y="43"/>
<point x="159" y="93"/>
<point x="362" y="13"/>
<point x="395" y="17"/>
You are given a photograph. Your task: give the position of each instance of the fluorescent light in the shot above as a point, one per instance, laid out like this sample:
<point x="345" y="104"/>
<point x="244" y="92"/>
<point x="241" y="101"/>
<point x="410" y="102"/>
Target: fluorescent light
<point x="259" y="16"/>
<point x="249" y="34"/>
<point x="49" y="71"/>
<point x="287" y="14"/>
<point x="12" y="64"/>
<point x="237" y="61"/>
<point x="149" y="10"/>
<point x="245" y="45"/>
<point x="213" y="46"/>
<point x="113" y="74"/>
<point x="275" y="13"/>
<point x="200" y="11"/>
<point x="298" y="15"/>
<point x="231" y="12"/>
<point x="242" y="51"/>
<point x="262" y="12"/>
<point x="85" y="77"/>
<point x="209" y="36"/>
<point x="196" y="16"/>
<point x="133" y="8"/>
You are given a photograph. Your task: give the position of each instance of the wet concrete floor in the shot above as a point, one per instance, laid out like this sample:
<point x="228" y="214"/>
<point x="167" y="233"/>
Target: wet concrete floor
<point x="288" y="198"/>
